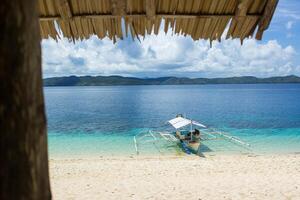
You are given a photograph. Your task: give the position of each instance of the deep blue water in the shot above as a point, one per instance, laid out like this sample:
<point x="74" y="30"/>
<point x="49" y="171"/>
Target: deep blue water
<point x="103" y="120"/>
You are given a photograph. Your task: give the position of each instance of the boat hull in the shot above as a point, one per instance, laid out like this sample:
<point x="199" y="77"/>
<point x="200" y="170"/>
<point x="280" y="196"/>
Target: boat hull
<point x="194" y="147"/>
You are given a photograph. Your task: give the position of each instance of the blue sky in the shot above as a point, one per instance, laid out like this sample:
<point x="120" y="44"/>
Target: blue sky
<point x="278" y="54"/>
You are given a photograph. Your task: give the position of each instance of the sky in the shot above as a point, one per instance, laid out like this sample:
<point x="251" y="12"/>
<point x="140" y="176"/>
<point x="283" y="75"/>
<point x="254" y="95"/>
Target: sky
<point x="278" y="54"/>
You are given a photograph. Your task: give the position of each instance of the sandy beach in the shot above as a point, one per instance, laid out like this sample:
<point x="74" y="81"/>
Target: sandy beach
<point x="178" y="177"/>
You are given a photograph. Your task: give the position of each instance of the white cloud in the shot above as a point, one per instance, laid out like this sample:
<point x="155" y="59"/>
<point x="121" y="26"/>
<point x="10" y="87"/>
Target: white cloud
<point x="285" y="21"/>
<point x="231" y="59"/>
<point x="165" y="55"/>
<point x="289" y="25"/>
<point x="289" y="13"/>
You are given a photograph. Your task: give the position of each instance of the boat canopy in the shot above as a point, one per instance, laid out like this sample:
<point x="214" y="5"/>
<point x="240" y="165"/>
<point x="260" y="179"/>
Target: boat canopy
<point x="180" y="122"/>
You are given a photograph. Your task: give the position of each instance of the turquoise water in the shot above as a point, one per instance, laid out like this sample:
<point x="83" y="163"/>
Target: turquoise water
<point x="103" y="120"/>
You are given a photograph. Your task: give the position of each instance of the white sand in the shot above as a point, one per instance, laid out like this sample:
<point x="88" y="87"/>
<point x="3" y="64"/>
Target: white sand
<point x="185" y="177"/>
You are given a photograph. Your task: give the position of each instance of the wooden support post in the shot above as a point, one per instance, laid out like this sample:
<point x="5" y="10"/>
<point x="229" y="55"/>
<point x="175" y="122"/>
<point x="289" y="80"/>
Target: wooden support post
<point x="150" y="9"/>
<point x="24" y="158"/>
<point x="243" y="7"/>
<point x="266" y="18"/>
<point x="240" y="13"/>
<point x="118" y="7"/>
<point x="64" y="9"/>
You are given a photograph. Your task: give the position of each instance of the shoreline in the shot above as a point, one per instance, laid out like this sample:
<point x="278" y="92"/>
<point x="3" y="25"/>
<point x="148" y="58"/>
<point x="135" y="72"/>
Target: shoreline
<point x="274" y="176"/>
<point x="170" y="155"/>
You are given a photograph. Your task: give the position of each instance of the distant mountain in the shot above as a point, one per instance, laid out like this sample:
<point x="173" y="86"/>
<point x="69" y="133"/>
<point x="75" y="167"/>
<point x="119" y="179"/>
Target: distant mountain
<point x="119" y="80"/>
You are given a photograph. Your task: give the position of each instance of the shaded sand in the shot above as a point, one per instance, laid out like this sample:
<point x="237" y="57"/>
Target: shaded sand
<point x="185" y="177"/>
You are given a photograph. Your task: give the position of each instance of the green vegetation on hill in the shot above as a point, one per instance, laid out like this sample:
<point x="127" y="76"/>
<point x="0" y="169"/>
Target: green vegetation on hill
<point x="119" y="80"/>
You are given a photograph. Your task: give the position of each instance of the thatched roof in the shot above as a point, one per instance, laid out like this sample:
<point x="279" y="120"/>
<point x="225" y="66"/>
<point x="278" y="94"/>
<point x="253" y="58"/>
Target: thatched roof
<point x="205" y="19"/>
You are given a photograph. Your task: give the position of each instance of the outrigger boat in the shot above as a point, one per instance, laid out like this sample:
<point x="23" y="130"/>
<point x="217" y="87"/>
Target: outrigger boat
<point x="190" y="140"/>
<point x="188" y="134"/>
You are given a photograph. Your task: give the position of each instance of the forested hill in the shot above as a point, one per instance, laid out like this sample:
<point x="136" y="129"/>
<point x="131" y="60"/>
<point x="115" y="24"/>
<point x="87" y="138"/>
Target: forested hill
<point x="119" y="80"/>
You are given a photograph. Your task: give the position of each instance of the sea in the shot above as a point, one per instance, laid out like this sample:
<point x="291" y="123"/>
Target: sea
<point x="102" y="120"/>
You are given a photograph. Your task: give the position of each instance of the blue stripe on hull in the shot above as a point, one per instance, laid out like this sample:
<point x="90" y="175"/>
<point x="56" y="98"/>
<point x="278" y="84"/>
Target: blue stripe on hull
<point x="185" y="148"/>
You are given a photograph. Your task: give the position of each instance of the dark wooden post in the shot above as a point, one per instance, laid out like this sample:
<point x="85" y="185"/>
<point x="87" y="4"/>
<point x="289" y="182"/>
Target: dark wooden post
<point x="23" y="155"/>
